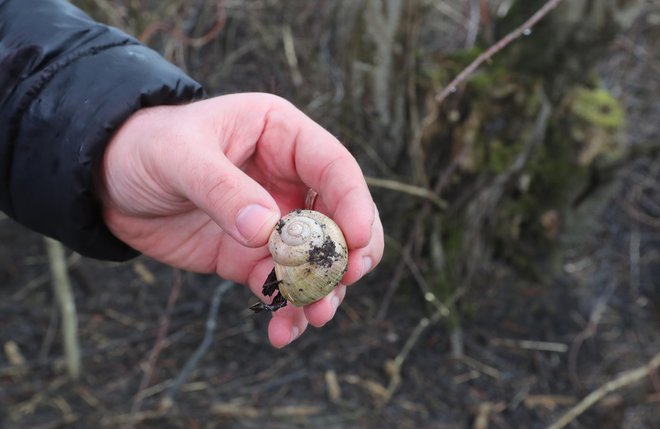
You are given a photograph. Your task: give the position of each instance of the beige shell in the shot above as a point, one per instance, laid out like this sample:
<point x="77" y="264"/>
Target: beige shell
<point x="310" y="255"/>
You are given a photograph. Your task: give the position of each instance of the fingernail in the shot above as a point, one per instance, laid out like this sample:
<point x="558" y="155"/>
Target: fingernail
<point x="294" y="333"/>
<point x="335" y="302"/>
<point x="251" y="219"/>
<point x="366" y="264"/>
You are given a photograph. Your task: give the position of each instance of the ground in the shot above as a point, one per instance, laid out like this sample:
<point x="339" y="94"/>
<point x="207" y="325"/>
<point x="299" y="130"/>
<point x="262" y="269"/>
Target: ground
<point x="531" y="350"/>
<point x="242" y="382"/>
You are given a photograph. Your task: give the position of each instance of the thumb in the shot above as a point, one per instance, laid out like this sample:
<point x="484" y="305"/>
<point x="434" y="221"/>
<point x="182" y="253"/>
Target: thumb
<point x="235" y="201"/>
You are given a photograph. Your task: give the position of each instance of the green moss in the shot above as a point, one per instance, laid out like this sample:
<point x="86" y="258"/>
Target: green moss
<point x="453" y="242"/>
<point x="442" y="283"/>
<point x="503" y="110"/>
<point x="597" y="107"/>
<point x="554" y="180"/>
<point x="502" y="155"/>
<point x="494" y="82"/>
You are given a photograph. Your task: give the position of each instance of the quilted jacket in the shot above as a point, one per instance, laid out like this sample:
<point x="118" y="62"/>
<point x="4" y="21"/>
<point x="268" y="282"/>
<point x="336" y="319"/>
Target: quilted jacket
<point x="66" y="84"/>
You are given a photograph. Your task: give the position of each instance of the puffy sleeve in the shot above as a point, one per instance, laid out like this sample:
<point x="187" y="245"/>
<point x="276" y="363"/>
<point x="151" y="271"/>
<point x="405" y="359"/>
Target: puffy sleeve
<point x="66" y="84"/>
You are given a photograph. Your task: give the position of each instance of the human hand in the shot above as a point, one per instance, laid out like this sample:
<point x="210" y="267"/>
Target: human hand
<point x="201" y="186"/>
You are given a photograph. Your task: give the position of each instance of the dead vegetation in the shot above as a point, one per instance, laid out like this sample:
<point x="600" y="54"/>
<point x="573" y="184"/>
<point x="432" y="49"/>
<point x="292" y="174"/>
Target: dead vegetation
<point x="520" y="286"/>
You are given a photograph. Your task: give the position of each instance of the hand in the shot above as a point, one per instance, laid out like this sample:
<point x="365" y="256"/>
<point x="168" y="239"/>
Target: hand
<point x="201" y="187"/>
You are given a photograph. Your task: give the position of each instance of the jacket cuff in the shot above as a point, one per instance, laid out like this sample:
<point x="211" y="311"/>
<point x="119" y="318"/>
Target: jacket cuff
<point x="65" y="125"/>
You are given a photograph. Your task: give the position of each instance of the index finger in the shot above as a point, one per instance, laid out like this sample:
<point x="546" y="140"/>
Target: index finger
<point x="326" y="166"/>
<point x="321" y="162"/>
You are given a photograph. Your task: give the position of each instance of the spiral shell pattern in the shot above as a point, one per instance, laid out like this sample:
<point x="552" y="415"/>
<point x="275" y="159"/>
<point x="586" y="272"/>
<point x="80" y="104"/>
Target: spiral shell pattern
<point x="310" y="255"/>
<point x="294" y="235"/>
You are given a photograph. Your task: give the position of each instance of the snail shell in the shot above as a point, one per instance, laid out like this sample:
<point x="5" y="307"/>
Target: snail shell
<point x="310" y="255"/>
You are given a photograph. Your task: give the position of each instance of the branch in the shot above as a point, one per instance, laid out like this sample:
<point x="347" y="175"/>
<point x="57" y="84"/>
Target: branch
<point x="624" y="379"/>
<point x="180" y="35"/>
<point x="159" y="345"/>
<point x="543" y="346"/>
<point x="394" y="366"/>
<point x="405" y="188"/>
<point x="524" y="29"/>
<point x="64" y="295"/>
<point x="414" y="232"/>
<point x="599" y="309"/>
<point x="191" y="364"/>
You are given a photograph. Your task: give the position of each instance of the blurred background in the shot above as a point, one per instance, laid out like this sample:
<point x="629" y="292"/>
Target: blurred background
<point x="522" y="214"/>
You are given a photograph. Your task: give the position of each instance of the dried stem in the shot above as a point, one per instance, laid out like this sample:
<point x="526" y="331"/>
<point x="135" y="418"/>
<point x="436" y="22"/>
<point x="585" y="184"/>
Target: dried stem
<point x="405" y="188"/>
<point x="179" y="34"/>
<point x="192" y="363"/>
<point x="414" y="232"/>
<point x="65" y="300"/>
<point x="589" y="331"/>
<point x="543" y="346"/>
<point x="159" y="345"/>
<point x="394" y="367"/>
<point x="290" y="54"/>
<point x="624" y="379"/>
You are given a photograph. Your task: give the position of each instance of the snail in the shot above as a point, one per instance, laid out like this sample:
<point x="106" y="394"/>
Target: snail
<point x="310" y="255"/>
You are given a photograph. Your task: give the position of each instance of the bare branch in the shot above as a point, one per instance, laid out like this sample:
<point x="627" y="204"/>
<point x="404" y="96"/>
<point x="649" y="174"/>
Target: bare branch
<point x="624" y="379"/>
<point x="159" y="345"/>
<point x="524" y="29"/>
<point x="405" y="188"/>
<point x="192" y="363"/>
<point x="66" y="302"/>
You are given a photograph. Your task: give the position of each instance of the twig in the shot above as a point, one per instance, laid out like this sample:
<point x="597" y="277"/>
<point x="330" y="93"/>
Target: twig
<point x="486" y="411"/>
<point x="641" y="53"/>
<point x="65" y="300"/>
<point x="239" y="409"/>
<point x="16" y="411"/>
<point x="393" y="367"/>
<point x="448" y="10"/>
<point x="50" y="334"/>
<point x="273" y="382"/>
<point x="405" y="188"/>
<point x="481" y="367"/>
<point x="65" y="420"/>
<point x="416" y="272"/>
<point x="473" y="24"/>
<point x="191" y="364"/>
<point x="41" y="280"/>
<point x="130" y="418"/>
<point x="193" y="16"/>
<point x="159" y="345"/>
<point x="543" y="346"/>
<point x="290" y="54"/>
<point x="333" y="386"/>
<point x="414" y="232"/>
<point x="636" y="214"/>
<point x="416" y="151"/>
<point x="382" y="20"/>
<point x="456" y="346"/>
<point x="374" y="388"/>
<point x="549" y="402"/>
<point x="524" y="29"/>
<point x="624" y="379"/>
<point x="589" y="331"/>
<point x="178" y="33"/>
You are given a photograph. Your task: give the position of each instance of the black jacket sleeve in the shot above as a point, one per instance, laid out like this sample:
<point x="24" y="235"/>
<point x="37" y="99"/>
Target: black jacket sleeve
<point x="66" y="84"/>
